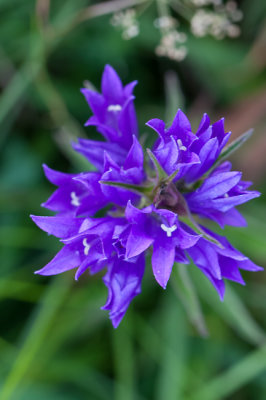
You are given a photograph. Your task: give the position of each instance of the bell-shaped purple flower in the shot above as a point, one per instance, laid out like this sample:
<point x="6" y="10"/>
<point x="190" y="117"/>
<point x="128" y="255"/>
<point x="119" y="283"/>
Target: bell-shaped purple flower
<point x="211" y="140"/>
<point x="113" y="111"/>
<point x="219" y="194"/>
<point x="131" y="172"/>
<point x="173" y="148"/>
<point x="77" y="194"/>
<point x="156" y="209"/>
<point x="220" y="261"/>
<point x="123" y="280"/>
<point x="160" y="229"/>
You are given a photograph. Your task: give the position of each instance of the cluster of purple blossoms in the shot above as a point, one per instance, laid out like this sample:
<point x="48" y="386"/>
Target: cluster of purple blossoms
<point x="150" y="203"/>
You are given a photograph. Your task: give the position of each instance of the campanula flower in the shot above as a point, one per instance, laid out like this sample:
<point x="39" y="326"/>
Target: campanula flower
<point x="139" y="202"/>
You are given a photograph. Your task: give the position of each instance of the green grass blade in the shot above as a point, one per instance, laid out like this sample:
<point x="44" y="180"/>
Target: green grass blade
<point x="234" y="378"/>
<point x="51" y="303"/>
<point x="231" y="310"/>
<point x="173" y="349"/>
<point x="186" y="292"/>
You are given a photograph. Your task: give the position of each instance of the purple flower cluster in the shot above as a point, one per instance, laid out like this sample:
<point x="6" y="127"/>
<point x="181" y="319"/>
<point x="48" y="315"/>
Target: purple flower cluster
<point x="153" y="204"/>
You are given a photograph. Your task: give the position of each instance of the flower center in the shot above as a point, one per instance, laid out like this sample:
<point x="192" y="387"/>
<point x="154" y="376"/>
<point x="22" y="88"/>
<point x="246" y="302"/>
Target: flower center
<point x="114" y="107"/>
<point x="86" y="246"/>
<point x="167" y="196"/>
<point x="74" y="199"/>
<point x="180" y="145"/>
<point x="168" y="229"/>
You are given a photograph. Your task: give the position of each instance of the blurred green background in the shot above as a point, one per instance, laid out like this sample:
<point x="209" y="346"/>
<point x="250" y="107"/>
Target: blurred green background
<point x="55" y="342"/>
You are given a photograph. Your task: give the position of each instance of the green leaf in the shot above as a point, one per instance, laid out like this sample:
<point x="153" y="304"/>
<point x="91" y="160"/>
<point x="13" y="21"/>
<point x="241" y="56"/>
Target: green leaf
<point x="232" y="147"/>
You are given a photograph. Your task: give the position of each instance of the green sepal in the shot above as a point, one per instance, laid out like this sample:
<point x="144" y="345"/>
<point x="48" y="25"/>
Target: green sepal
<point x="171" y="177"/>
<point x="232" y="147"/>
<point x="161" y="174"/>
<point x="145" y="190"/>
<point x="190" y="221"/>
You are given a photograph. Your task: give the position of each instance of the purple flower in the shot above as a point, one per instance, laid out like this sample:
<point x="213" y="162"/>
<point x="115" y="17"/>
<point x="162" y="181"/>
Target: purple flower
<point x="160" y="229"/>
<point x="110" y="219"/>
<point x="219" y="194"/>
<point x="114" y="117"/>
<point x="123" y="280"/>
<point x="220" y="261"/>
<point x="77" y="194"/>
<point x="173" y="150"/>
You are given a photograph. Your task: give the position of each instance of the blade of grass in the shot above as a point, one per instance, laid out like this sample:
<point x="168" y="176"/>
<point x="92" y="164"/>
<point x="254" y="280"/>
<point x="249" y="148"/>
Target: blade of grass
<point x="173" y="350"/>
<point x="150" y="341"/>
<point x="232" y="310"/>
<point x="186" y="292"/>
<point x="47" y="311"/>
<point x="19" y="290"/>
<point x="78" y="372"/>
<point x="123" y="358"/>
<point x="234" y="378"/>
<point x="15" y="91"/>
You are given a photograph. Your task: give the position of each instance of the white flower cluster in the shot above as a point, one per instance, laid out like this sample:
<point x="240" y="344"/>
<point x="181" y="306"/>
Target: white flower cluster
<point x="127" y="22"/>
<point x="219" y="22"/>
<point x="172" y="45"/>
<point x="217" y="18"/>
<point x="165" y="22"/>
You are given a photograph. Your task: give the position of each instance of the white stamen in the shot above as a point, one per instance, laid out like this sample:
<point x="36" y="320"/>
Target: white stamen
<point x="86" y="246"/>
<point x="226" y="195"/>
<point x="114" y="107"/>
<point x="168" y="229"/>
<point x="180" y="145"/>
<point x="74" y="199"/>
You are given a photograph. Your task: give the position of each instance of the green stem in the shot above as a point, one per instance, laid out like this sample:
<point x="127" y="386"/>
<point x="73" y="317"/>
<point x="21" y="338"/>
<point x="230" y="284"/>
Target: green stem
<point x="186" y="292"/>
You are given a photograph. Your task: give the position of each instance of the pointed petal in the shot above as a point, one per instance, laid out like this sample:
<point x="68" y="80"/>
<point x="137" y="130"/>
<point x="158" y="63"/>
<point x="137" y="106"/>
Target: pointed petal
<point x="94" y="151"/>
<point x="128" y="89"/>
<point x="230" y="270"/>
<point x="135" y="155"/>
<point x="217" y="185"/>
<point x="61" y="227"/>
<point x="123" y="280"/>
<point x="204" y="255"/>
<point x="112" y="88"/>
<point x="157" y="125"/>
<point x="95" y="101"/>
<point x="203" y="125"/>
<point x="180" y="123"/>
<point x="163" y="258"/>
<point x="248" y="265"/>
<point x="56" y="177"/>
<point x="65" y="260"/>
<point x="127" y="124"/>
<point x="227" y="203"/>
<point x="138" y="241"/>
